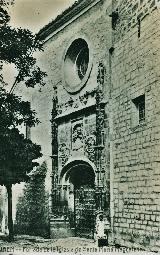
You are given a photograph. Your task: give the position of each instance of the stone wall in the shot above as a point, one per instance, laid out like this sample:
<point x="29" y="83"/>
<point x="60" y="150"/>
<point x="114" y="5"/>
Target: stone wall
<point x="136" y="72"/>
<point x="131" y="13"/>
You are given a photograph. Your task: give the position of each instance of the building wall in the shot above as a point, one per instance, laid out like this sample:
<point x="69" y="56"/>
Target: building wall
<point x="136" y="71"/>
<point x="129" y="12"/>
<point x="130" y="54"/>
<point x="95" y="27"/>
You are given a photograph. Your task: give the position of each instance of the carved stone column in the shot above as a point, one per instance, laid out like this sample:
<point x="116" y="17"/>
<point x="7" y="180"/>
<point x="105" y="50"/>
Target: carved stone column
<point x="100" y="113"/>
<point x="55" y="194"/>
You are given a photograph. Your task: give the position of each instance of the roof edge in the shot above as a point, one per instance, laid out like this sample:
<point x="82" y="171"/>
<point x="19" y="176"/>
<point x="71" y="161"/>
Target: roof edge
<point x="64" y="18"/>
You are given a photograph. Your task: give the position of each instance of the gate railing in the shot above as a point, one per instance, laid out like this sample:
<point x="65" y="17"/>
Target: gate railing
<point x="86" y="203"/>
<point x="85" y="212"/>
<point x="61" y="210"/>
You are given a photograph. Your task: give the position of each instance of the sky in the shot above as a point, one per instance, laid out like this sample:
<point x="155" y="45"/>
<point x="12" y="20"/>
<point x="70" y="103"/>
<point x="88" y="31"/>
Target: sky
<point x="34" y="14"/>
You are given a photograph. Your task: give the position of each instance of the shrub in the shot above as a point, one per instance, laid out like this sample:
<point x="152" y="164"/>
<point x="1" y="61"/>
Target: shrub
<point x="32" y="216"/>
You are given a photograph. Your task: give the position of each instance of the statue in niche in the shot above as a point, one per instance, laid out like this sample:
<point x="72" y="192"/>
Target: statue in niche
<point x="64" y="153"/>
<point x="90" y="147"/>
<point x="77" y="137"/>
<point x="101" y="73"/>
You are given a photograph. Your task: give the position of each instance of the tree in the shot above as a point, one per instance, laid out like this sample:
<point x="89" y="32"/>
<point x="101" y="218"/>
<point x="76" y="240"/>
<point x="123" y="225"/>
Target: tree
<point x="17" y="46"/>
<point x="17" y="153"/>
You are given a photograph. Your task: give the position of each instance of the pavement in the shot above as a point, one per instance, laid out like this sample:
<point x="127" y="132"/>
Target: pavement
<point x="38" y="246"/>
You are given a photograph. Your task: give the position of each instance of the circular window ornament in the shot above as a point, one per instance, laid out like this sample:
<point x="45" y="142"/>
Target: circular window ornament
<point x="77" y="66"/>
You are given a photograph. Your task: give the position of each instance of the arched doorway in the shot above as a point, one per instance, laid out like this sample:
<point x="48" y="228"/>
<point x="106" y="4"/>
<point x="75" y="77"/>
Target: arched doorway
<point x="80" y="178"/>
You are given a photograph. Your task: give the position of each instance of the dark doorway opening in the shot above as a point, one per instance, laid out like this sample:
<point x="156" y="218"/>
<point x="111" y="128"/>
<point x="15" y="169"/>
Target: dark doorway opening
<point x="82" y="178"/>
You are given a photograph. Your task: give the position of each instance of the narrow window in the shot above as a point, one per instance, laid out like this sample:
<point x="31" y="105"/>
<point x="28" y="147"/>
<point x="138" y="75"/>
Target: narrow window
<point x="138" y="110"/>
<point x="139" y="27"/>
<point x="141" y="106"/>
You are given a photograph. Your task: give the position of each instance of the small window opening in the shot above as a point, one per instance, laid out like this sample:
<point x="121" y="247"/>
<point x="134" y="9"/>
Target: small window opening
<point x="138" y="110"/>
<point x="139" y="28"/>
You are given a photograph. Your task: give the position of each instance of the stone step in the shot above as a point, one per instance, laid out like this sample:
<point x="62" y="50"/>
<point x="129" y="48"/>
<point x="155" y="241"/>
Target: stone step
<point x="60" y="228"/>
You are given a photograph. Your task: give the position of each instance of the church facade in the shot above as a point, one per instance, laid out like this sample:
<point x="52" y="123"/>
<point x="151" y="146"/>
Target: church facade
<point x="100" y="120"/>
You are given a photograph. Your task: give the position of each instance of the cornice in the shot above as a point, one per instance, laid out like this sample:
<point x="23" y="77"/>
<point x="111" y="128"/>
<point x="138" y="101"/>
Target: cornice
<point x="66" y="18"/>
<point x="72" y="114"/>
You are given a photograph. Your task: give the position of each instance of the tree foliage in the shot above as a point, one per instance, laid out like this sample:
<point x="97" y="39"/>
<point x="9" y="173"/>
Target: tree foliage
<point x="32" y="215"/>
<point x="14" y="111"/>
<point x="17" y="46"/>
<point x="16" y="157"/>
<point x="16" y="152"/>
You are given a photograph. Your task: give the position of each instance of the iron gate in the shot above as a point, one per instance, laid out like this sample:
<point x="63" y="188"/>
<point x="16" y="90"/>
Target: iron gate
<point x="84" y="212"/>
